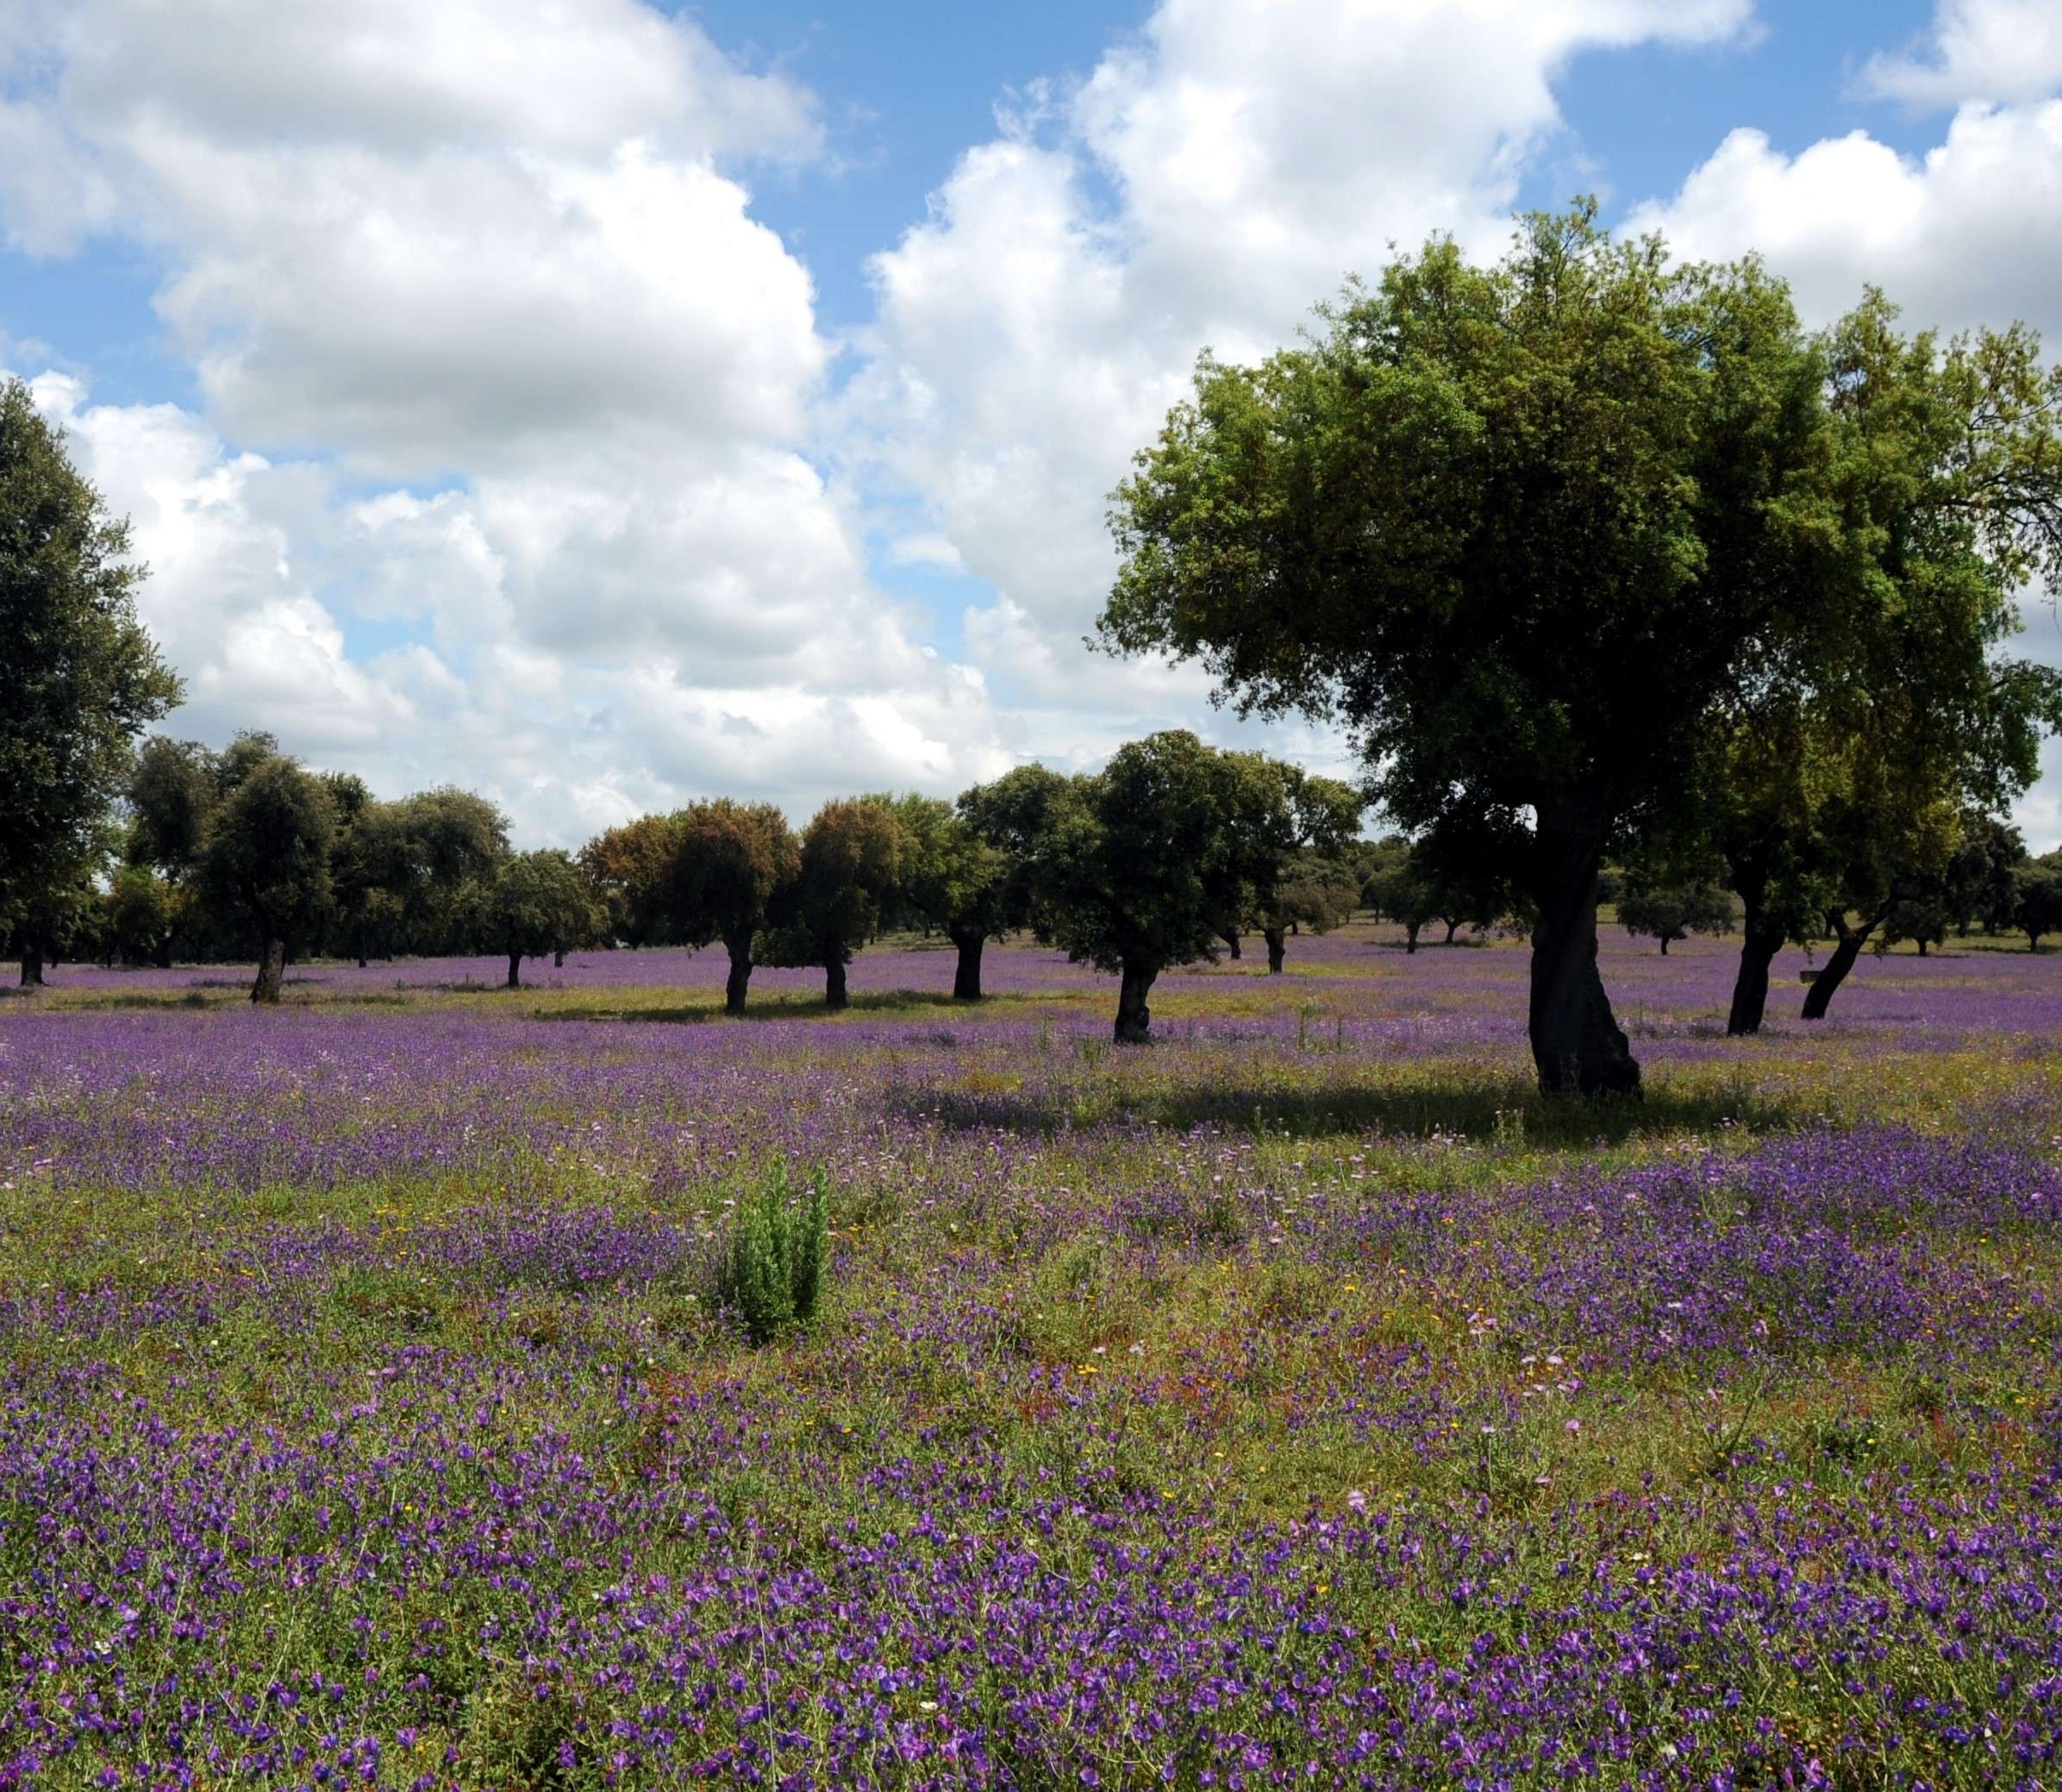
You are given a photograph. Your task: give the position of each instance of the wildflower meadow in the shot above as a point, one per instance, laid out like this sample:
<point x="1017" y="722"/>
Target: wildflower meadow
<point x="1301" y="1401"/>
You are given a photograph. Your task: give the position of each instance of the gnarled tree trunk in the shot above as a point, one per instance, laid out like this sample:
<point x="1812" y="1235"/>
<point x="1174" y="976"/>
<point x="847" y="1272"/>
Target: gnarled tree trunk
<point x="740" y="974"/>
<point x="32" y="964"/>
<point x="1835" y="971"/>
<point x="271" y="972"/>
<point x="834" y="975"/>
<point x="966" y="974"/>
<point x="1410" y="933"/>
<point x="1761" y="939"/>
<point x="1230" y="937"/>
<point x="1135" y="1019"/>
<point x="1576" y="1043"/>
<point x="1277" y="948"/>
<point x="514" y="970"/>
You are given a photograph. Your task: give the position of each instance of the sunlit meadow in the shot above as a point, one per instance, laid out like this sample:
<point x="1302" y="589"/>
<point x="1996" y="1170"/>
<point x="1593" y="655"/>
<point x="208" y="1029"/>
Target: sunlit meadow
<point x="1299" y="1402"/>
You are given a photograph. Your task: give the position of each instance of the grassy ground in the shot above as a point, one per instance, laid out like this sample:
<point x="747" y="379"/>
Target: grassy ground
<point x="1301" y="1401"/>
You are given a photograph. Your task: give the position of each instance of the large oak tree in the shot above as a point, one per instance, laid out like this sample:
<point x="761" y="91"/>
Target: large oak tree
<point x="78" y="675"/>
<point x="1532" y="530"/>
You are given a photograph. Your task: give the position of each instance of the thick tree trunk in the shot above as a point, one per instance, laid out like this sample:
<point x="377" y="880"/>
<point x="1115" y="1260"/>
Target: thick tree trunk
<point x="32" y="964"/>
<point x="1664" y="946"/>
<point x="1835" y="971"/>
<point x="165" y="956"/>
<point x="1921" y="948"/>
<point x="1576" y="1042"/>
<point x="741" y="974"/>
<point x="1410" y="933"/>
<point x="1277" y="948"/>
<point x="1452" y="927"/>
<point x="514" y="970"/>
<point x="1135" y="1019"/>
<point x="966" y="975"/>
<point x="271" y="973"/>
<point x="834" y="975"/>
<point x="1231" y="941"/>
<point x="559" y="959"/>
<point x="1758" y="945"/>
<point x="361" y="960"/>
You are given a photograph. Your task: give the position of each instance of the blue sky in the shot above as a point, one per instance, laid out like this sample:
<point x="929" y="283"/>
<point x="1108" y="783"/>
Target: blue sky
<point x="906" y="89"/>
<point x="599" y="404"/>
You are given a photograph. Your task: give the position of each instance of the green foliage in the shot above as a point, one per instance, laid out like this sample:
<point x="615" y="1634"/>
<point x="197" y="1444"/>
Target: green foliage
<point x="630" y="871"/>
<point x="79" y="677"/>
<point x="141" y="916"/>
<point x="731" y="859"/>
<point x="949" y="875"/>
<point x="265" y="855"/>
<point x="1140" y="865"/>
<point x="2037" y="909"/>
<point x="1462" y="883"/>
<point x="1514" y="524"/>
<point x="852" y="862"/>
<point x="1007" y="816"/>
<point x="1557" y="537"/>
<point x="1981" y="884"/>
<point x="535" y="903"/>
<point x="1669" y="908"/>
<point x="172" y="792"/>
<point x="770" y="1270"/>
<point x="1316" y="893"/>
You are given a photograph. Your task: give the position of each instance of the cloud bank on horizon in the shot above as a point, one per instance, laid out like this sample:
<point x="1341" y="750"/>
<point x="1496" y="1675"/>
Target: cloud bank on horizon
<point x="504" y="442"/>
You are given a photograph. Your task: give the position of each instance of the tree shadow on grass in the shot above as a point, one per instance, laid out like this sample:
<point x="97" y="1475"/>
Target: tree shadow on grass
<point x="1511" y="1110"/>
<point x="785" y="1007"/>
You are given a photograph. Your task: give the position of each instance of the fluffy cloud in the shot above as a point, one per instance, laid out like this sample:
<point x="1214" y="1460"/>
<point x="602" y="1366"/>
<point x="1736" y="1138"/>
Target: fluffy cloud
<point x="509" y="462"/>
<point x="794" y="696"/>
<point x="230" y="599"/>
<point x="1204" y="185"/>
<point x="1965" y="234"/>
<point x="531" y="388"/>
<point x="434" y="237"/>
<point x="1978" y="50"/>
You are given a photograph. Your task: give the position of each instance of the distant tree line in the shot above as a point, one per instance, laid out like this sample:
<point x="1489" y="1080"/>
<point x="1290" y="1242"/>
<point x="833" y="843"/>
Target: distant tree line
<point x="1630" y="590"/>
<point x="1172" y="849"/>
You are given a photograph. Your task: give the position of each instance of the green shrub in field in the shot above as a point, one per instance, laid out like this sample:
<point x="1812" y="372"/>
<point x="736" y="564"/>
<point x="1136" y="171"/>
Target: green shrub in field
<point x="771" y="1268"/>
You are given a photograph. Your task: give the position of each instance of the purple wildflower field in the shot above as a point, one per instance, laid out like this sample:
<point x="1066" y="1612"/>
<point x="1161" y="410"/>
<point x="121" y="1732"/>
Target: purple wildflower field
<point x="1299" y="1402"/>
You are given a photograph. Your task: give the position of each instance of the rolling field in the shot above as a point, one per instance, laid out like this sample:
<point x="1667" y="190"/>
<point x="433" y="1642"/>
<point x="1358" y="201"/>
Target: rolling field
<point x="1299" y="1402"/>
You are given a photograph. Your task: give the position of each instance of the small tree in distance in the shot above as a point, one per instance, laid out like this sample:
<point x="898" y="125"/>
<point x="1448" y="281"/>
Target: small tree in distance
<point x="731" y="861"/>
<point x="948" y="877"/>
<point x="1140" y="863"/>
<point x="2037" y="911"/>
<point x="1313" y="887"/>
<point x="1317" y="894"/>
<point x="630" y="871"/>
<point x="1669" y="910"/>
<point x="1007" y="818"/>
<point x="852" y="860"/>
<point x="535" y="903"/>
<point x="264" y="862"/>
<point x="1981" y="882"/>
